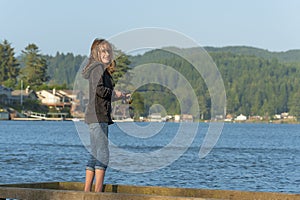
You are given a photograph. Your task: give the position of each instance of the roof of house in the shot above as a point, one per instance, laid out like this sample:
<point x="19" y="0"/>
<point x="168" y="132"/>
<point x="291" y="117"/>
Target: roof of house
<point x="21" y="92"/>
<point x="2" y="87"/>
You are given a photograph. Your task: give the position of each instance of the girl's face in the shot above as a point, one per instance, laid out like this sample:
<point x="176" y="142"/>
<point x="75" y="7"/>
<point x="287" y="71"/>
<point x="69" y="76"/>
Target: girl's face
<point x="105" y="53"/>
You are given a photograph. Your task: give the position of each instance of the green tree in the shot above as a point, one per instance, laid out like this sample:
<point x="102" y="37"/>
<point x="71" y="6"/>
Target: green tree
<point x="34" y="74"/>
<point x="9" y="69"/>
<point x="62" y="68"/>
<point x="121" y="76"/>
<point x="295" y="105"/>
<point x="138" y="105"/>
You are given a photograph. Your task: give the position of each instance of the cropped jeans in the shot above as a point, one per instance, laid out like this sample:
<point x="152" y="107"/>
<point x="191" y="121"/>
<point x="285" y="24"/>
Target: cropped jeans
<point x="99" y="152"/>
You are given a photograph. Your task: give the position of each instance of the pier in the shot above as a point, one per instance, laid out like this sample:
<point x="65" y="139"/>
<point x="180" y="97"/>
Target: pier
<point x="74" y="191"/>
<point x="31" y="116"/>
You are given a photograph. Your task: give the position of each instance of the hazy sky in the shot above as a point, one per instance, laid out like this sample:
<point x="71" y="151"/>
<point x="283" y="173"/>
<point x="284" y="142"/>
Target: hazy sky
<point x="70" y="26"/>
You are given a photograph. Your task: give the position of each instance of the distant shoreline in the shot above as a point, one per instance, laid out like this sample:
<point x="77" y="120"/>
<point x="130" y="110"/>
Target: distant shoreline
<point x="201" y="121"/>
<point x="267" y="121"/>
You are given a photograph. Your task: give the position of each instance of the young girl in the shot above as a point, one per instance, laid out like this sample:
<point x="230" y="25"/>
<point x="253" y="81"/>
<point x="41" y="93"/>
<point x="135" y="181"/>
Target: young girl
<point x="98" y="113"/>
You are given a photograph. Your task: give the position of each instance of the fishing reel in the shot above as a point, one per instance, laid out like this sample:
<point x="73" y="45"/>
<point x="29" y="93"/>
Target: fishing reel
<point x="126" y="98"/>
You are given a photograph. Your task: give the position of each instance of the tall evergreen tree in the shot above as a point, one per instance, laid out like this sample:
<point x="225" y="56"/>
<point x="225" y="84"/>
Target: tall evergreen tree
<point x="9" y="69"/>
<point x="120" y="76"/>
<point x="34" y="74"/>
<point x="295" y="105"/>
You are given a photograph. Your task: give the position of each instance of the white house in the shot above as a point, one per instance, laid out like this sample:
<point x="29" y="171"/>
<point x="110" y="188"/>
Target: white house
<point x="177" y="118"/>
<point x="155" y="117"/>
<point x="241" y="117"/>
<point x="187" y="118"/>
<point x="54" y="98"/>
<point x="48" y="98"/>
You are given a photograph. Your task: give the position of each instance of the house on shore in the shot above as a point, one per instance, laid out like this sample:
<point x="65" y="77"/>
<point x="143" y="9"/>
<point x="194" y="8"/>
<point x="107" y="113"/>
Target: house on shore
<point x="9" y="96"/>
<point x="23" y="95"/>
<point x="241" y="117"/>
<point x="5" y="95"/>
<point x="53" y="98"/>
<point x="187" y="118"/>
<point x="155" y="117"/>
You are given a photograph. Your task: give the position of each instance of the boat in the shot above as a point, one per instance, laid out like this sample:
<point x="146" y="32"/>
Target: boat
<point x="75" y="119"/>
<point x="74" y="190"/>
<point x="4" y="115"/>
<point x="124" y="120"/>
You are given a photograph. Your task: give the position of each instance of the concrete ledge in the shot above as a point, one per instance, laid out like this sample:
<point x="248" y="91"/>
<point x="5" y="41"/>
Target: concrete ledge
<point x="49" y="194"/>
<point x="74" y="190"/>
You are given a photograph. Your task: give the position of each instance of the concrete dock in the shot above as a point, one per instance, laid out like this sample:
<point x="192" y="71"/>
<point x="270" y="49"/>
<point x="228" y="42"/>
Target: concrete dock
<point x="74" y="191"/>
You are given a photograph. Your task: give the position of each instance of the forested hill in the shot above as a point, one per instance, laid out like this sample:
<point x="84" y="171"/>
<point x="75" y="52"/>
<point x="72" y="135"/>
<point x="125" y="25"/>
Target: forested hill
<point x="256" y="84"/>
<point x="284" y="56"/>
<point x="62" y="68"/>
<point x="257" y="81"/>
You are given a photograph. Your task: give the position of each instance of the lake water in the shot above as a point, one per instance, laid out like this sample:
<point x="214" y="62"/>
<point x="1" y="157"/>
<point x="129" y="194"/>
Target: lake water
<point x="251" y="157"/>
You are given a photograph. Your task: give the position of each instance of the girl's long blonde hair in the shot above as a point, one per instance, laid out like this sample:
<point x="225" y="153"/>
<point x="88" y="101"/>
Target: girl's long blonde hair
<point x="95" y="48"/>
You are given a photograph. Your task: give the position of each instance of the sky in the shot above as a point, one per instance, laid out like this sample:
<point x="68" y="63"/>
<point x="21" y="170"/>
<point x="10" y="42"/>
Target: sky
<point x="67" y="26"/>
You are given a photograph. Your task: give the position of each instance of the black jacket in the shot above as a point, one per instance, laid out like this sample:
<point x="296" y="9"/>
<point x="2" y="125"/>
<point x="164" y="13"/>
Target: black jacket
<point x="100" y="93"/>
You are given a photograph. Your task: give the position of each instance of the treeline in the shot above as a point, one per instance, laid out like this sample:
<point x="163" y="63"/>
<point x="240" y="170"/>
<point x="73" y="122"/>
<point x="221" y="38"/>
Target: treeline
<point x="35" y="70"/>
<point x="254" y="85"/>
<point x="257" y="82"/>
<point x="41" y="71"/>
<point x="257" y="86"/>
<point x="290" y="56"/>
<point x="62" y="68"/>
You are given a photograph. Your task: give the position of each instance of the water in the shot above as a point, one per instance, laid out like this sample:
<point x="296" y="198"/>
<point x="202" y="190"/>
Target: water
<point x="251" y="157"/>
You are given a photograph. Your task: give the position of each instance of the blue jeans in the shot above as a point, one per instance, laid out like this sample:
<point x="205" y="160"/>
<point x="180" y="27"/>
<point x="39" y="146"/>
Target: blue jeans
<point x="99" y="152"/>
